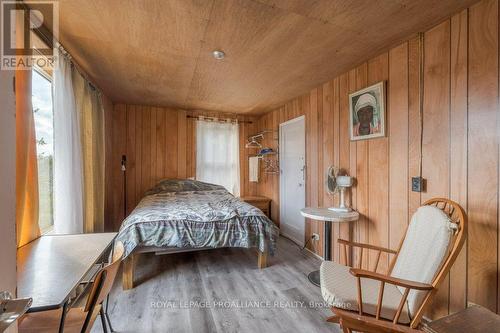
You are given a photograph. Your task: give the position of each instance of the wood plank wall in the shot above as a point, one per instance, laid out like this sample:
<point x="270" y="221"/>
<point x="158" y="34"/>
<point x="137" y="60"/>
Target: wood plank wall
<point x="158" y="143"/>
<point x="442" y="85"/>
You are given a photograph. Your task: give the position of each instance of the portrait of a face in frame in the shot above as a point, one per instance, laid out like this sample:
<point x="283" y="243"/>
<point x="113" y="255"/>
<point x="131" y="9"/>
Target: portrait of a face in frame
<point x="367" y="112"/>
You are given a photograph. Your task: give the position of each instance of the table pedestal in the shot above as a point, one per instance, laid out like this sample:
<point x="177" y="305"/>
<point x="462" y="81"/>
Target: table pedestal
<point x="329" y="217"/>
<point x="327" y="251"/>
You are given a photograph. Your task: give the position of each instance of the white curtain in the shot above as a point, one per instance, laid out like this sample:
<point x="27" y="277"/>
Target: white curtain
<point x="217" y="154"/>
<point x="68" y="170"/>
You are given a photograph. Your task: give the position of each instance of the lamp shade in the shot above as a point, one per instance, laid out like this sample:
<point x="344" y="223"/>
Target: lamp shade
<point x="344" y="181"/>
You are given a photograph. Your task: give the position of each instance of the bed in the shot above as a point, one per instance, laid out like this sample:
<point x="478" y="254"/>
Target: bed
<point x="179" y="215"/>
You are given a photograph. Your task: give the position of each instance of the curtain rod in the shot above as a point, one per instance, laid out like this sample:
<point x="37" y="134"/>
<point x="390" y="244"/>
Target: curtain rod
<point x="220" y="119"/>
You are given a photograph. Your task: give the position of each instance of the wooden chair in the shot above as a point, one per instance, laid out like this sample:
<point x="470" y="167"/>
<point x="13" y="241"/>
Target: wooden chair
<point x="368" y="301"/>
<point x="78" y="319"/>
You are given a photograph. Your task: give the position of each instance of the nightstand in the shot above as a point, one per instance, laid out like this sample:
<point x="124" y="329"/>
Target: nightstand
<point x="263" y="203"/>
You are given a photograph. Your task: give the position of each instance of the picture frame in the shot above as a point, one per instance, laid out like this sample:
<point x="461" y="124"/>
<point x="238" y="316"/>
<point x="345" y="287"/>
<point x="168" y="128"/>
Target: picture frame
<point x="367" y="112"/>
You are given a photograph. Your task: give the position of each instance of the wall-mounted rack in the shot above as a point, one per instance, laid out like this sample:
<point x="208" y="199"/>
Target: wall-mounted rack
<point x="268" y="156"/>
<point x="253" y="141"/>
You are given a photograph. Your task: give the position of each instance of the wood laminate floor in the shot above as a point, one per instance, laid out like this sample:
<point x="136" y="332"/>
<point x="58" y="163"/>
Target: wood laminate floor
<point x="221" y="291"/>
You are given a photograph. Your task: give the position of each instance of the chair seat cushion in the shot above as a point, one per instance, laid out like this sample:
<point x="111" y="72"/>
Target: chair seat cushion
<point x="339" y="289"/>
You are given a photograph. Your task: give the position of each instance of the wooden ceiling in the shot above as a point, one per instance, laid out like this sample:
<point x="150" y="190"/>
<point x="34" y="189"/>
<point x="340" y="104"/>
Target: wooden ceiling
<point x="158" y="52"/>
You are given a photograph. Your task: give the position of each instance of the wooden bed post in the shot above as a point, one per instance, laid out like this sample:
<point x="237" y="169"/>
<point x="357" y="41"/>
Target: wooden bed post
<point x="262" y="261"/>
<point x="128" y="272"/>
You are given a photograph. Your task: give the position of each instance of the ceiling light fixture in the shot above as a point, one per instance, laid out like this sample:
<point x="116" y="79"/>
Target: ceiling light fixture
<point x="218" y="54"/>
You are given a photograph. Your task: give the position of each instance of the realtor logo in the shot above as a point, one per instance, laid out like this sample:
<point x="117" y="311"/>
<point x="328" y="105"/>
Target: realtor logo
<point x="29" y="34"/>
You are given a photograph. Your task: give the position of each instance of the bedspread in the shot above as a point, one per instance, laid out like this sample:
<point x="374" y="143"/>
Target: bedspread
<point x="192" y="214"/>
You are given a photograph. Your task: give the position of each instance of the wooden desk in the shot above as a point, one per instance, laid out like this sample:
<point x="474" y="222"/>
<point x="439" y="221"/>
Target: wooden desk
<point x="263" y="203"/>
<point x="50" y="268"/>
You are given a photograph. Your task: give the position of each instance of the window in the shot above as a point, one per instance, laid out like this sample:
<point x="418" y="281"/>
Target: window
<point x="44" y="128"/>
<point x="217" y="154"/>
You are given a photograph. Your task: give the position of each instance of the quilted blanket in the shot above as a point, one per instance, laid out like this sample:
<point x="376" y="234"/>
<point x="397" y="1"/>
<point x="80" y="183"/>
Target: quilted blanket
<point x="192" y="214"/>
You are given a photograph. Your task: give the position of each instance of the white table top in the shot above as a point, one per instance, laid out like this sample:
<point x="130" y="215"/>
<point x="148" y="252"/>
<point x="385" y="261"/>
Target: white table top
<point x="324" y="214"/>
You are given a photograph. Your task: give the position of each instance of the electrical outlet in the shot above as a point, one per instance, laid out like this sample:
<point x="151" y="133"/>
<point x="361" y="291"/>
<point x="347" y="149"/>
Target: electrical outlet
<point x="417" y="184"/>
<point x="315" y="237"/>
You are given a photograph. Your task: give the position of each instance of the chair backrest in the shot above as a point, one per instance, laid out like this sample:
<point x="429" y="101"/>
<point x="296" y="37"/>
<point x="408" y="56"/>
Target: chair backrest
<point x="432" y="242"/>
<point x="103" y="282"/>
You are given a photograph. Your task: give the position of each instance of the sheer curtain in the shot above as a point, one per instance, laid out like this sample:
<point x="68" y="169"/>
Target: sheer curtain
<point x="217" y="154"/>
<point x="68" y="165"/>
<point x="91" y="117"/>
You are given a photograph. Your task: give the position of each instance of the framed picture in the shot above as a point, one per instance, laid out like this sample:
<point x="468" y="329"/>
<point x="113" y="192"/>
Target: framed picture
<point x="367" y="112"/>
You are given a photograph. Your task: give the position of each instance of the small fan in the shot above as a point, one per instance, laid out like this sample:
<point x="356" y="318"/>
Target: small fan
<point x="336" y="183"/>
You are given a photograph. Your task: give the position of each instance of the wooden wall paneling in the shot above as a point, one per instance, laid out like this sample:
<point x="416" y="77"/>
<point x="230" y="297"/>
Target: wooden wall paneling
<point x="458" y="148"/>
<point x="344" y="140"/>
<point x="191" y="148"/>
<point x="116" y="137"/>
<point x="336" y="159"/>
<point x="154" y="141"/>
<point x="415" y="81"/>
<point x="362" y="160"/>
<point x="181" y="144"/>
<point x="319" y="142"/>
<point x="436" y="134"/>
<point x="160" y="144"/>
<point x="311" y="195"/>
<point x="327" y="147"/>
<point x="483" y="154"/>
<point x="312" y="154"/>
<point x="261" y="185"/>
<point x="320" y="176"/>
<point x="353" y="232"/>
<point x="146" y="149"/>
<point x="352" y="151"/>
<point x="398" y="143"/>
<point x="110" y="138"/>
<point x="378" y="169"/>
<point x="138" y="153"/>
<point x="171" y="143"/>
<point x="131" y="158"/>
<point x="263" y="180"/>
<point x="253" y="187"/>
<point x="242" y="132"/>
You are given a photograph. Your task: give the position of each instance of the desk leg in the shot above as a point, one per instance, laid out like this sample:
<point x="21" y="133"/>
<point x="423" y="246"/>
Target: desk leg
<point x="63" y="317"/>
<point x="314" y="277"/>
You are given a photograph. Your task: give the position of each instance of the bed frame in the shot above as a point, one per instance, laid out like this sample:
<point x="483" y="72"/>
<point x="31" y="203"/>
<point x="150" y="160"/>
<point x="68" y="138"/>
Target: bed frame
<point x="131" y="261"/>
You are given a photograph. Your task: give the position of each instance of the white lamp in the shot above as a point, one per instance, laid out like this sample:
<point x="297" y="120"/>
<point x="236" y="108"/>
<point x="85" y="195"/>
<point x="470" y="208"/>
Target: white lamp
<point x="342" y="182"/>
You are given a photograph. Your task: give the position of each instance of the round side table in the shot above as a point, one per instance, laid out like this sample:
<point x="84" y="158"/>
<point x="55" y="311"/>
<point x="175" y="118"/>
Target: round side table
<point x="329" y="217"/>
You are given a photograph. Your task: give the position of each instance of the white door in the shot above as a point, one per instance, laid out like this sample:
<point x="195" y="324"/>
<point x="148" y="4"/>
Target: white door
<point x="292" y="178"/>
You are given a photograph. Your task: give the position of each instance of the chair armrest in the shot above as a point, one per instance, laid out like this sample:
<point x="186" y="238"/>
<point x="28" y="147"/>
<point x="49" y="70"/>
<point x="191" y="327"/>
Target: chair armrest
<point x="361" y="273"/>
<point x="366" y="246"/>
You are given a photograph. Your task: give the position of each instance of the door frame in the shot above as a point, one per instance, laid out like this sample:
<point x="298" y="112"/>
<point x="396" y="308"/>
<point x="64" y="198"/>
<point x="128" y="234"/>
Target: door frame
<point x="300" y="118"/>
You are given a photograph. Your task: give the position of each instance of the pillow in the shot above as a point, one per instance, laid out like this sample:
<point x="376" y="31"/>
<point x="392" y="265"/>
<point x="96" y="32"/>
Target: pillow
<point x="182" y="185"/>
